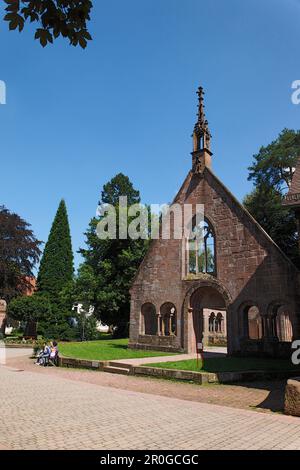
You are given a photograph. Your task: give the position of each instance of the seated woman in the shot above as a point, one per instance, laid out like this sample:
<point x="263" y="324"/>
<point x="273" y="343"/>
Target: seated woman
<point x="54" y="353"/>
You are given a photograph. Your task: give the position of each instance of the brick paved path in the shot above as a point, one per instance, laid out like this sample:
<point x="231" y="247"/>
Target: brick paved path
<point x="43" y="411"/>
<point x="261" y="396"/>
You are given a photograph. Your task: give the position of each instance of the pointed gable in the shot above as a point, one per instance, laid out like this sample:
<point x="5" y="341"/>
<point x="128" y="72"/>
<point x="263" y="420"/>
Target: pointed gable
<point x="293" y="197"/>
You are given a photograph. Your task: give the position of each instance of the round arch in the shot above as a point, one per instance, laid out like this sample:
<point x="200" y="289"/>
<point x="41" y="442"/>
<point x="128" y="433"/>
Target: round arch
<point x="280" y="313"/>
<point x="192" y="325"/>
<point x="149" y="323"/>
<point x="248" y="321"/>
<point x="211" y="282"/>
<point x="168" y="319"/>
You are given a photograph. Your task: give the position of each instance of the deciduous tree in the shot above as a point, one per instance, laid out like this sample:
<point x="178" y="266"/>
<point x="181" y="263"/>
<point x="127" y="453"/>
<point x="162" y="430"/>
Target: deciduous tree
<point x="19" y="253"/>
<point x="114" y="262"/>
<point x="53" y="18"/>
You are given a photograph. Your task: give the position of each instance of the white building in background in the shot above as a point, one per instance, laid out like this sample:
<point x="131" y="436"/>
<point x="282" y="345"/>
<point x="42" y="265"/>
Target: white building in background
<point x="79" y="308"/>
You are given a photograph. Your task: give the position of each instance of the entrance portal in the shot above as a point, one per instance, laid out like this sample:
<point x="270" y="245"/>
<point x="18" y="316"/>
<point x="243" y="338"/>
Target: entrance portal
<point x="209" y="317"/>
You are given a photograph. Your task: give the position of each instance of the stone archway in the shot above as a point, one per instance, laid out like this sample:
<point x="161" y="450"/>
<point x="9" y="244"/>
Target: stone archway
<point x="281" y="318"/>
<point x="206" y="303"/>
<point x="202" y="300"/>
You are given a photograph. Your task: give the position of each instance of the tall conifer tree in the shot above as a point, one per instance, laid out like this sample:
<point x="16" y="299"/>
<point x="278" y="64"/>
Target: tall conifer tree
<point x="56" y="268"/>
<point x="56" y="272"/>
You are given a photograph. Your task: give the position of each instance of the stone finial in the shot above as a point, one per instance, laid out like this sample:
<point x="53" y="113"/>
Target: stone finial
<point x="201" y="138"/>
<point x="201" y="112"/>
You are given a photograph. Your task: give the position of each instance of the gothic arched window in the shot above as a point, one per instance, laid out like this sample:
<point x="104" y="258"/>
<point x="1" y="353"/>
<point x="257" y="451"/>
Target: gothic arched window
<point x="202" y="256"/>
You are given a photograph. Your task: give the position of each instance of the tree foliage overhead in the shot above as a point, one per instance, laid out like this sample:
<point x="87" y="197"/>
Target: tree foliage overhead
<point x="56" y="268"/>
<point x="54" y="18"/>
<point x="272" y="172"/>
<point x="265" y="204"/>
<point x="274" y="165"/>
<point x="114" y="262"/>
<point x="19" y="252"/>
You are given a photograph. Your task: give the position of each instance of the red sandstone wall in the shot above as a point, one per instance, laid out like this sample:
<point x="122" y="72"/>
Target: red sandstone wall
<point x="249" y="265"/>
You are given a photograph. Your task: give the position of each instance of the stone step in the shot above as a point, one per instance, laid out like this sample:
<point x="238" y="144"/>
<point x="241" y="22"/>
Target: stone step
<point x="120" y="365"/>
<point x="116" y="370"/>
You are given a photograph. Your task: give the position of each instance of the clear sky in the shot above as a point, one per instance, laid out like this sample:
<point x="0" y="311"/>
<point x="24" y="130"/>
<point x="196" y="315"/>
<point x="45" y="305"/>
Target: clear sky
<point x="74" y="118"/>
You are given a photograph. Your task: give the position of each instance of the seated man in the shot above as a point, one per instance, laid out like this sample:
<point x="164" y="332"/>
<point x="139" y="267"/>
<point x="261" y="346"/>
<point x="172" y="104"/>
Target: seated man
<point x="43" y="356"/>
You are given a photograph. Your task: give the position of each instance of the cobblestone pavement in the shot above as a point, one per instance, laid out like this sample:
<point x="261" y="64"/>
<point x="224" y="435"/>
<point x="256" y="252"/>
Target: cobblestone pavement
<point x="44" y="411"/>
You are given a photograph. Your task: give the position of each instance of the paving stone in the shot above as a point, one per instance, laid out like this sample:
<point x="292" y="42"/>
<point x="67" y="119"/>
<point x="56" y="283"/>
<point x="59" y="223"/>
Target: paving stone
<point x="80" y="415"/>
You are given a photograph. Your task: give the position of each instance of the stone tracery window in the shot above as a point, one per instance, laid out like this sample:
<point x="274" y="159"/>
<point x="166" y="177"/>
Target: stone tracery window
<point x="202" y="256"/>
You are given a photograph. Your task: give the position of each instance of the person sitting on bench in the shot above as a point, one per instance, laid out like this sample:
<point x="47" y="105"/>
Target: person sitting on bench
<point x="44" y="355"/>
<point x="54" y="353"/>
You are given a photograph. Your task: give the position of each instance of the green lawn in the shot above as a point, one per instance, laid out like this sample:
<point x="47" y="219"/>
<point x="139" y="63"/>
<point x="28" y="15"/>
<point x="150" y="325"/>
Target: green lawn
<point x="229" y="364"/>
<point x="105" y="350"/>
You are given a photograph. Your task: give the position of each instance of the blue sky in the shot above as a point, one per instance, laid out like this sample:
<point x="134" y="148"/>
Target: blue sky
<point x="74" y="118"/>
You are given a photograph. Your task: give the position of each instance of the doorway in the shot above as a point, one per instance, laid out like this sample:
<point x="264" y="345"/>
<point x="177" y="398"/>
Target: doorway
<point x="209" y="318"/>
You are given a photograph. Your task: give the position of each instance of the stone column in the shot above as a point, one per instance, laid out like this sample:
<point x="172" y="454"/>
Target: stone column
<point x="158" y="325"/>
<point x="271" y="332"/>
<point x="163" y="326"/>
<point x="190" y="333"/>
<point x="170" y="325"/>
<point x="224" y="324"/>
<point x="266" y="327"/>
<point x="269" y="339"/>
<point x="206" y="313"/>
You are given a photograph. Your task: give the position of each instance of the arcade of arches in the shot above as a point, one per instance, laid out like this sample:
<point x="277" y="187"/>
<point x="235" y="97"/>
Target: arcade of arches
<point x="208" y="317"/>
<point x="162" y="323"/>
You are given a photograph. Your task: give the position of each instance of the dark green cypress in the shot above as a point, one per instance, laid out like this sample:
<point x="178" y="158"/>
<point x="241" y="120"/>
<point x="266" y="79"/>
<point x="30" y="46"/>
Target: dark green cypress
<point x="56" y="268"/>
